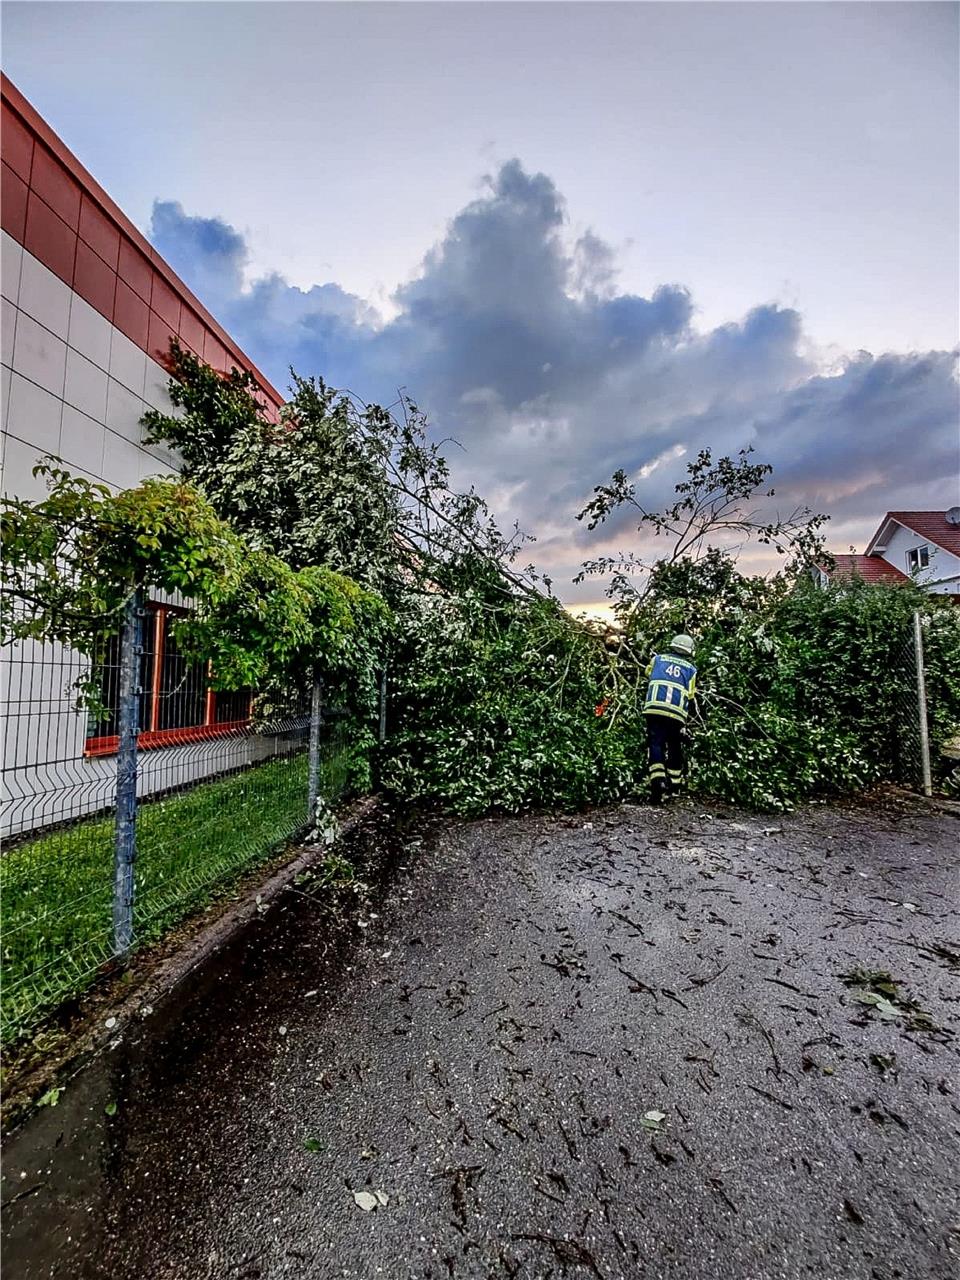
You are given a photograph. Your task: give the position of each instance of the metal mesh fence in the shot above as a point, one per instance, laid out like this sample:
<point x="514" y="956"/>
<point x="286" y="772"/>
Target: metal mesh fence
<point x="912" y="746"/>
<point x="220" y="780"/>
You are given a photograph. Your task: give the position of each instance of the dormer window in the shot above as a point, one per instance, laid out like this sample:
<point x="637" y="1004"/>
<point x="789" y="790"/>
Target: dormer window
<point x="918" y="558"/>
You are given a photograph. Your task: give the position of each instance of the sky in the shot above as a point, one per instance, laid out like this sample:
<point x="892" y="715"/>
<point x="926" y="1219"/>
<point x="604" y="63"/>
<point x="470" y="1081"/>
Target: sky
<point x="582" y="236"/>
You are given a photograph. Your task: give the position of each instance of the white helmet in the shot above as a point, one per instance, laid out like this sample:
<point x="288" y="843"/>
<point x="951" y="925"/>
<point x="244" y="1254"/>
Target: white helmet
<point x="683" y="644"/>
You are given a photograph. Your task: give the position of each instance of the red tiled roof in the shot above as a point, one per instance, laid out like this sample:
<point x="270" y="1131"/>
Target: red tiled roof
<point x="931" y="525"/>
<point x="869" y="568"/>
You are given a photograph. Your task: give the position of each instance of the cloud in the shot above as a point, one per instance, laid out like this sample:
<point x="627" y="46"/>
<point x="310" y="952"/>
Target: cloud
<point x="519" y="343"/>
<point x="318" y="330"/>
<point x="208" y="249"/>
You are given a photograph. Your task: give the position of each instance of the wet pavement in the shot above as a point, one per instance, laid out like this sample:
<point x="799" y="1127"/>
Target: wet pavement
<point x="613" y="1045"/>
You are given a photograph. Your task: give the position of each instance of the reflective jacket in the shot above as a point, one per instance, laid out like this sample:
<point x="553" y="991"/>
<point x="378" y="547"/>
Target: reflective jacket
<point x="671" y="685"/>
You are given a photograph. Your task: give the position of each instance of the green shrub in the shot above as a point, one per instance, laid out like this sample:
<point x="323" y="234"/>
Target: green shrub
<point x="803" y="692"/>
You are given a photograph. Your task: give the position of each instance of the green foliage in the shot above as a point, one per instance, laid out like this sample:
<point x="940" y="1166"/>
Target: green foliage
<point x="941" y="650"/>
<point x="311" y="489"/>
<point x="493" y="688"/>
<point x="804" y="691"/>
<point x="257" y="630"/>
<point x="337" y="482"/>
<point x="498" y="699"/>
<point x="71" y="561"/>
<point x="338" y="487"/>
<point x="497" y="709"/>
<point x="277" y="625"/>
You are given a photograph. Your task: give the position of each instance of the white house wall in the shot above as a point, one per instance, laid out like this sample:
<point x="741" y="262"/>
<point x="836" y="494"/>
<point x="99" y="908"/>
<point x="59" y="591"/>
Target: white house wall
<point x="943" y="573"/>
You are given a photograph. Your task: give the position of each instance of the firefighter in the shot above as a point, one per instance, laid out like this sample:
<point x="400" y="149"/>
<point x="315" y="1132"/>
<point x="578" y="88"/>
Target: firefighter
<point x="671" y="688"/>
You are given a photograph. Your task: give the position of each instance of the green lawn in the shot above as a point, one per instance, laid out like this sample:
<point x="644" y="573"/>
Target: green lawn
<point x="56" y="890"/>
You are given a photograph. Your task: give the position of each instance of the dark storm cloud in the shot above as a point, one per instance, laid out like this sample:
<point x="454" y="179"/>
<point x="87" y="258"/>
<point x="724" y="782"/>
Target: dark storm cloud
<point x="520" y="344"/>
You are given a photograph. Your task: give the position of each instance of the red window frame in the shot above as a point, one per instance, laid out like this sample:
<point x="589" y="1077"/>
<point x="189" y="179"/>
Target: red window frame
<point x="153" y="737"/>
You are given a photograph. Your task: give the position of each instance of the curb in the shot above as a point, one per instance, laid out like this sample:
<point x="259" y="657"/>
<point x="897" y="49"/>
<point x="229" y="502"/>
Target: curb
<point x="93" y="1037"/>
<point x="942" y="804"/>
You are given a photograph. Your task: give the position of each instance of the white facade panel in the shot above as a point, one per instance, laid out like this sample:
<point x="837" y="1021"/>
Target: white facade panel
<point x="44" y="296"/>
<point x="19" y="460"/>
<point x="8" y="328"/>
<point x="128" y="363"/>
<point x="11" y="260"/>
<point x="82" y="442"/>
<point x="7" y="377"/>
<point x="89" y="333"/>
<point x="155" y="391"/>
<point x="85" y="386"/>
<point x="34" y="413"/>
<point x="39" y="355"/>
<point x="124" y="411"/>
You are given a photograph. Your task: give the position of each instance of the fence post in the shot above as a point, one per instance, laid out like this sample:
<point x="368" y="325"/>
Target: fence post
<point x="125" y="844"/>
<point x="313" y="773"/>
<point x="383" y="705"/>
<point x="922" y="705"/>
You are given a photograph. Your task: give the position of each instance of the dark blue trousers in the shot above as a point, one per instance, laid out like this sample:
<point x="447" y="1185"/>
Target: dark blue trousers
<point x="666" y="753"/>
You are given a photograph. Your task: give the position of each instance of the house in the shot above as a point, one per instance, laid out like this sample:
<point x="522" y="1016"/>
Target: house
<point x="89" y="309"/>
<point x="926" y="544"/>
<point x="923" y="545"/>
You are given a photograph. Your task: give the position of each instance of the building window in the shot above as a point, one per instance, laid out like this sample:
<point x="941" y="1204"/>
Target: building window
<point x="177" y="704"/>
<point x="918" y="558"/>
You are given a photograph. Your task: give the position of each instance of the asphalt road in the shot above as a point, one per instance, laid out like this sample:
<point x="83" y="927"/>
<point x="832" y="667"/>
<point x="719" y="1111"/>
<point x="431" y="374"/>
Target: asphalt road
<point x="612" y="1046"/>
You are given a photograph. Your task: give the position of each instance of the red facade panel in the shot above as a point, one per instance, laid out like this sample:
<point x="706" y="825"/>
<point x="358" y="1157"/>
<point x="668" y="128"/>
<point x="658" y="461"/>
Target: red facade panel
<point x="135" y="270"/>
<point x="13" y="204"/>
<point x="17" y="144"/>
<point x="158" y="339"/>
<point x="165" y="303"/>
<point x="55" y="187"/>
<point x="99" y="232"/>
<point x="131" y="315"/>
<point x="214" y="352"/>
<point x="94" y="280"/>
<point x="191" y="331"/>
<point x="50" y="239"/>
